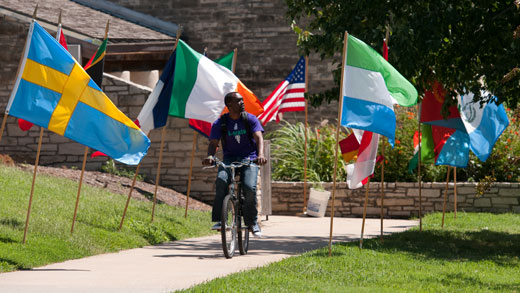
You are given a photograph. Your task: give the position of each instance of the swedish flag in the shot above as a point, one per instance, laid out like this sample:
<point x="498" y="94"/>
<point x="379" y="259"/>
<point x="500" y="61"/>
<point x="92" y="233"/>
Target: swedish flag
<point x="53" y="91"/>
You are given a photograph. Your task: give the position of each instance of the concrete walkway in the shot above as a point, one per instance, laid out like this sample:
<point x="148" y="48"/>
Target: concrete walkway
<point x="182" y="264"/>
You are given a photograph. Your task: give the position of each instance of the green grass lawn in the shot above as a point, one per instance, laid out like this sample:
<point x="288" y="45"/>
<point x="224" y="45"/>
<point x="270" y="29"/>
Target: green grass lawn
<point x="475" y="252"/>
<point x="99" y="214"/>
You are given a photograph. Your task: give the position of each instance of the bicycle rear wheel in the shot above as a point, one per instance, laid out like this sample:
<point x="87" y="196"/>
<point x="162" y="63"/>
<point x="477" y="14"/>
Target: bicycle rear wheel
<point x="243" y="236"/>
<point x="229" y="226"/>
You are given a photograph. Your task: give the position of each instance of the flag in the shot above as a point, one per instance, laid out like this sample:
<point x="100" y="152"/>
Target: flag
<point x="203" y="127"/>
<point x="427" y="147"/>
<point x="154" y="113"/>
<point x="371" y="86"/>
<point x="451" y="147"/>
<point x="53" y="91"/>
<point x="95" y="66"/>
<point x="431" y="109"/>
<point x="288" y="96"/>
<point x="484" y="125"/>
<point x="26" y="125"/>
<point x="199" y="87"/>
<point x="349" y="147"/>
<point x="358" y="173"/>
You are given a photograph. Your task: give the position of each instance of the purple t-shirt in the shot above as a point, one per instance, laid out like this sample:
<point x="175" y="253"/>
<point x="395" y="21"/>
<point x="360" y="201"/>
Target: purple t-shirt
<point x="238" y="143"/>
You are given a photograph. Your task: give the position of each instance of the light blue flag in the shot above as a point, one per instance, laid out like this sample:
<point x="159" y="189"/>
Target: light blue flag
<point x="484" y="125"/>
<point x="53" y="91"/>
<point x="455" y="151"/>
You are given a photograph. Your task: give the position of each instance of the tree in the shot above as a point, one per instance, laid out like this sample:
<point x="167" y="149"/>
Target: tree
<point x="467" y="45"/>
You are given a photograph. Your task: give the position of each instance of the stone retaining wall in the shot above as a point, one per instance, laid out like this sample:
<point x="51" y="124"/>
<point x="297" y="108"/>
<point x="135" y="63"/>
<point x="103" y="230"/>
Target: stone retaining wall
<point x="401" y="199"/>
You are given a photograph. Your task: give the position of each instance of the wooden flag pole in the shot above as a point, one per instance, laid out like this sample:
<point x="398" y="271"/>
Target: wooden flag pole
<point x="129" y="196"/>
<point x="445" y="195"/>
<point x="419" y="167"/>
<point x="79" y="189"/>
<point x="387" y="37"/>
<point x="455" y="192"/>
<point x="85" y="155"/>
<point x="32" y="185"/>
<point x="364" y="215"/>
<point x="191" y="170"/>
<point x="345" y="43"/>
<point x="305" y="142"/>
<point x="4" y="120"/>
<point x="158" y="175"/>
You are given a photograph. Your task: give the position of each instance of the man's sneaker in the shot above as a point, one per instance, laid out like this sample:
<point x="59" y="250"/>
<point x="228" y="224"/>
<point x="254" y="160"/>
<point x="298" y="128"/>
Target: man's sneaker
<point x="217" y="226"/>
<point x="256" y="230"/>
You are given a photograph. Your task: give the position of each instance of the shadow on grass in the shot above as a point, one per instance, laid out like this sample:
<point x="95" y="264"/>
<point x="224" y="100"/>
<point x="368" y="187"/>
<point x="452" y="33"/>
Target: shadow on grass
<point x="499" y="247"/>
<point x="11" y="222"/>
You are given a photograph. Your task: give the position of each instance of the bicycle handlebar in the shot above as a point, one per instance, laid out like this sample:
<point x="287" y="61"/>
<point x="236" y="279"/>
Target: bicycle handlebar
<point x="218" y="162"/>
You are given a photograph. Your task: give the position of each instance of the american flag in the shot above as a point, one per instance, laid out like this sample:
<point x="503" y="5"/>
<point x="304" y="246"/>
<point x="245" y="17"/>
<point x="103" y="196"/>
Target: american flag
<point x="287" y="97"/>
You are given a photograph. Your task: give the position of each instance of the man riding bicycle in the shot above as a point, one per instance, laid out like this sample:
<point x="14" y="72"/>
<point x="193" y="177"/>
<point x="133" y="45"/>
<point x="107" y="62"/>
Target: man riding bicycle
<point x="241" y="136"/>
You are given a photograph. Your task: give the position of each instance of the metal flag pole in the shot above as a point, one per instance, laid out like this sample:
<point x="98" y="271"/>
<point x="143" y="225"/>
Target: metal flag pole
<point x="305" y="143"/>
<point x="345" y="43"/>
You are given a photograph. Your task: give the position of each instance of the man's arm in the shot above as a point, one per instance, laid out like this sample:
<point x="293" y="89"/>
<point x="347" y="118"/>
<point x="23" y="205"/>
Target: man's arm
<point x="212" y="150"/>
<point x="260" y="147"/>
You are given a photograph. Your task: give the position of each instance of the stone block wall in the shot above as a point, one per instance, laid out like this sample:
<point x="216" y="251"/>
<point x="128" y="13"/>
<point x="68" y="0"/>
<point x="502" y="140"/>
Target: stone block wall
<point x="401" y="199"/>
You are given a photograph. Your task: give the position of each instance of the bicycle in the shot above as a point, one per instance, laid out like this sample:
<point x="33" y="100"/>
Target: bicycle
<point x="232" y="218"/>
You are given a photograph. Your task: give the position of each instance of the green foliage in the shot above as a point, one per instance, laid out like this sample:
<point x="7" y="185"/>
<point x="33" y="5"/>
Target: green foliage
<point x="96" y="228"/>
<point x="477" y="252"/>
<point x="460" y="44"/>
<point x="288" y="149"/>
<point x="110" y="167"/>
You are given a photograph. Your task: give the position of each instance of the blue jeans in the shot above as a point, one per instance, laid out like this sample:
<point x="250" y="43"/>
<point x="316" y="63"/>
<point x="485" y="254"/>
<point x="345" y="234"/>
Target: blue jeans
<point x="248" y="178"/>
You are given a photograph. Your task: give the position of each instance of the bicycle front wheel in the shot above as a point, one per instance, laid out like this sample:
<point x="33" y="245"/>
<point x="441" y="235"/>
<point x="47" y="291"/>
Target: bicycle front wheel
<point x="229" y="226"/>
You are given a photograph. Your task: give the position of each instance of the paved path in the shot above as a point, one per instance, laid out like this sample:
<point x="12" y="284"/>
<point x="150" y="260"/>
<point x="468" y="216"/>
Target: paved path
<point x="181" y="264"/>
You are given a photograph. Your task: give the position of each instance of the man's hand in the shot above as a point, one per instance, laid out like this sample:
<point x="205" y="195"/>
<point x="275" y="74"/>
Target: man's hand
<point x="261" y="160"/>
<point x="208" y="161"/>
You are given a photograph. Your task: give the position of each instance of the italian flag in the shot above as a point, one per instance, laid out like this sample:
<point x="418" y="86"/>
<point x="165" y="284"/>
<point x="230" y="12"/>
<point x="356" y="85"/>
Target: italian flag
<point x="199" y="87"/>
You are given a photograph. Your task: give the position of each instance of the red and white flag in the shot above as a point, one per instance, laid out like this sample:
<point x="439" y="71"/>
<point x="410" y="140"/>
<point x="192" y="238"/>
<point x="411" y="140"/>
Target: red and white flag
<point x="358" y="173"/>
<point x="289" y="95"/>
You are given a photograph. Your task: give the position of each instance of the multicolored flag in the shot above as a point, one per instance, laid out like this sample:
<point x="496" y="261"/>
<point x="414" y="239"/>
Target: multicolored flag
<point x="288" y="96"/>
<point x="53" y="91"/>
<point x="199" y="87"/>
<point x="203" y="127"/>
<point x="154" y="113"/>
<point x="358" y="173"/>
<point x="427" y="147"/>
<point x="95" y="66"/>
<point x="349" y="147"/>
<point x="484" y="124"/>
<point x="371" y="86"/>
<point x="431" y="109"/>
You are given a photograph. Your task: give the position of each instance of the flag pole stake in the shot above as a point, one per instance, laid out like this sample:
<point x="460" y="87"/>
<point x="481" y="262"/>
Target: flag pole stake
<point x="364" y="215"/>
<point x="129" y="196"/>
<point x="35" y="11"/>
<point x="190" y="173"/>
<point x="455" y="192"/>
<point x="305" y="143"/>
<point x="158" y="175"/>
<point x="345" y="42"/>
<point x="79" y="189"/>
<point x="32" y="185"/>
<point x="419" y="167"/>
<point x="445" y="195"/>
